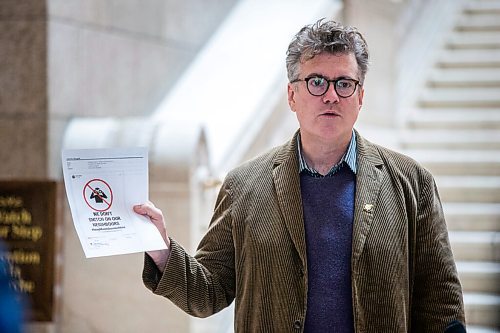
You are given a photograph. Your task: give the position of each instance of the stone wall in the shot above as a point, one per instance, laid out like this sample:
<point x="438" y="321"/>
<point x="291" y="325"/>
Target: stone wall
<point x="23" y="89"/>
<point x="118" y="58"/>
<point x="115" y="59"/>
<point x="62" y="59"/>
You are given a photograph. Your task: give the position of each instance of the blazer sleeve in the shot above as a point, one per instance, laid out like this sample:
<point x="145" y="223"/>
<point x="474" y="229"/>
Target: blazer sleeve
<point x="203" y="284"/>
<point x="437" y="293"/>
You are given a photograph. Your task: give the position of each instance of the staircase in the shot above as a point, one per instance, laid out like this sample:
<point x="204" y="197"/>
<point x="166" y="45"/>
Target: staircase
<point x="454" y="131"/>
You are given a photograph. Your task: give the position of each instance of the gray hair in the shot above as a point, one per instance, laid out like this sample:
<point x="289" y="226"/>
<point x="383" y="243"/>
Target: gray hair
<point x="326" y="36"/>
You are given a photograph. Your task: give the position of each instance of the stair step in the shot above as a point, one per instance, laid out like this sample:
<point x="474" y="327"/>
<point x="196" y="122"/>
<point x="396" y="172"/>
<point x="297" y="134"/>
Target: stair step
<point x="465" y="78"/>
<point x="479" y="276"/>
<point x="473" y="40"/>
<point x="458" y="162"/>
<point x="481" y="329"/>
<point x="469" y="58"/>
<point x="482" y="22"/>
<point x="466" y="216"/>
<point x="469" y="189"/>
<point x="476" y="245"/>
<point x="482" y="309"/>
<point x="451" y="139"/>
<point x="460" y="97"/>
<point x="464" y="118"/>
<point x="482" y="7"/>
<point x="455" y="134"/>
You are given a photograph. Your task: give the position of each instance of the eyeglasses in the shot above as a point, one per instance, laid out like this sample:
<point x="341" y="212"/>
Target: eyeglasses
<point x="318" y="85"/>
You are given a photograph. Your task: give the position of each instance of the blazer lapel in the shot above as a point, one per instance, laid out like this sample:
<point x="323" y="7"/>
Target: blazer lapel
<point x="368" y="181"/>
<point x="287" y="184"/>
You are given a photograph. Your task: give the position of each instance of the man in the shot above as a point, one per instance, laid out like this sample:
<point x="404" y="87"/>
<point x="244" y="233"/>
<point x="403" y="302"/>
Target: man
<point x="327" y="233"/>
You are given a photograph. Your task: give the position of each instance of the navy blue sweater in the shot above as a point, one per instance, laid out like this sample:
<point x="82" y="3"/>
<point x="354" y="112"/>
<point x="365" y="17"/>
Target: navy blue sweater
<point x="328" y="204"/>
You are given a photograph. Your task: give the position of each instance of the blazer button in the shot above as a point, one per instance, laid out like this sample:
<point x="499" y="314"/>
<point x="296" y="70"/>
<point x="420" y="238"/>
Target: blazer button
<point x="297" y="325"/>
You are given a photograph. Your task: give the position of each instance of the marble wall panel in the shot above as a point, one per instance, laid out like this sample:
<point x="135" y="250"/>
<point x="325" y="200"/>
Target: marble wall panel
<point x="188" y="23"/>
<point x="126" y="76"/>
<point x="65" y="58"/>
<point x="95" y="73"/>
<point x="55" y="135"/>
<point x="194" y="21"/>
<point x="23" y="147"/>
<point x="138" y="16"/>
<point x="23" y="94"/>
<point x="22" y="9"/>
<point x="23" y="67"/>
<point x="119" y="58"/>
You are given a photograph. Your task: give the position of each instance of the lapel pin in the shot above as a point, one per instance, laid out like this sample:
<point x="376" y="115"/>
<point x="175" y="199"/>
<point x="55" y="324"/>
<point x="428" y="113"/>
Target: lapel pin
<point x="368" y="208"/>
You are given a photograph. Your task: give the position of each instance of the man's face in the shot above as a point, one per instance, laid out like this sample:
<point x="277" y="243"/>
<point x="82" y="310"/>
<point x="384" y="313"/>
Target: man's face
<point x="327" y="118"/>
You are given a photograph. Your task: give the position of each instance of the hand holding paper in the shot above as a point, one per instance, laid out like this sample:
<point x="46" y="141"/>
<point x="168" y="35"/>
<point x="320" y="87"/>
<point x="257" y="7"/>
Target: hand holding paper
<point x="102" y="186"/>
<point x="149" y="210"/>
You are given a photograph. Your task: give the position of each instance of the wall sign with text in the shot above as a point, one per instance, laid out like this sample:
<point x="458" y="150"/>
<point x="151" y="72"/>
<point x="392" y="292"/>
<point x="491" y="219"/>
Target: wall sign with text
<point x="27" y="227"/>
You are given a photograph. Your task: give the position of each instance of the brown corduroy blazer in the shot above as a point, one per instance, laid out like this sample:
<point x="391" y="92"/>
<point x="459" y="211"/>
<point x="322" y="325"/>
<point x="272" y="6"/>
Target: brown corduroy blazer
<point x="403" y="274"/>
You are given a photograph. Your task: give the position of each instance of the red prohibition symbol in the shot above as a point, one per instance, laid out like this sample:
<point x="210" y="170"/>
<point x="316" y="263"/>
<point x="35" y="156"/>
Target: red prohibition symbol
<point x="98" y="195"/>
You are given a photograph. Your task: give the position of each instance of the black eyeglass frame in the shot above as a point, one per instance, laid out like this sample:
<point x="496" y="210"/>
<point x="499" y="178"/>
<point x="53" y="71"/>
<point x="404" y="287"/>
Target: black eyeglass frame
<point x="306" y="80"/>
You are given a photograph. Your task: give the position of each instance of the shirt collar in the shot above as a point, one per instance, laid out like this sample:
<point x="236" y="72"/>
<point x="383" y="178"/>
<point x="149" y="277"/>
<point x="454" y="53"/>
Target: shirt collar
<point x="349" y="158"/>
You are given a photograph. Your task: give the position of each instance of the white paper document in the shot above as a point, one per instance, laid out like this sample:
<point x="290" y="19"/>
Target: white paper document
<point x="102" y="186"/>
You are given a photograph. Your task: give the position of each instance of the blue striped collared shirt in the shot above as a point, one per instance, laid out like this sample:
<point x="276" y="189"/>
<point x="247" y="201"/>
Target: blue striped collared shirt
<point x="349" y="158"/>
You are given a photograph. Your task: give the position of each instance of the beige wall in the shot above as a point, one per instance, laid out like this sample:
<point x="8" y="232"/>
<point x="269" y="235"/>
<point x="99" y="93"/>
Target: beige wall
<point x="119" y="58"/>
<point x="62" y="59"/>
<point x="114" y="59"/>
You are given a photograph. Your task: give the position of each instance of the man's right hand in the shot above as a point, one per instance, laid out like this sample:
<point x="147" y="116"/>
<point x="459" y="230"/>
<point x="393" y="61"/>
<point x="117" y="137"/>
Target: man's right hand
<point x="155" y="215"/>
